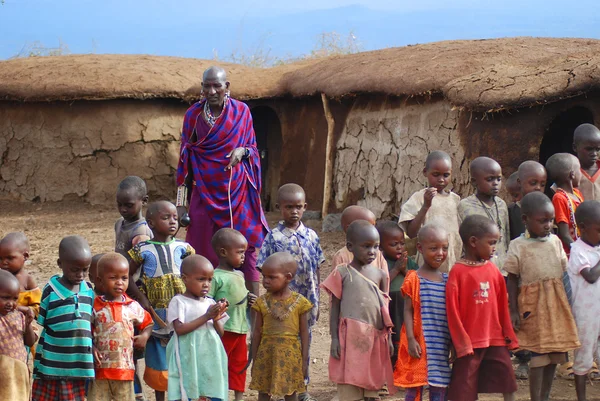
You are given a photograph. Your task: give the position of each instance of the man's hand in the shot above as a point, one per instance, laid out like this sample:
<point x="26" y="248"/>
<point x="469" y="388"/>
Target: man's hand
<point x="414" y="349"/>
<point x="251" y="299"/>
<point x="235" y="157"/>
<point x="430" y="193"/>
<point x="335" y="348"/>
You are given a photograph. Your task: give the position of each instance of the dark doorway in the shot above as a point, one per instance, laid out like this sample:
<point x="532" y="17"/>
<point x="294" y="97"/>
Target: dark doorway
<point x="559" y="136"/>
<point x="268" y="140"/>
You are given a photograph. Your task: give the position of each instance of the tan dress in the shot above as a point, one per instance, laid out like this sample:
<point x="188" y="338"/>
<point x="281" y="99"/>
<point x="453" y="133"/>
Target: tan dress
<point x="590" y="186"/>
<point x="443" y="211"/>
<point x="547" y="324"/>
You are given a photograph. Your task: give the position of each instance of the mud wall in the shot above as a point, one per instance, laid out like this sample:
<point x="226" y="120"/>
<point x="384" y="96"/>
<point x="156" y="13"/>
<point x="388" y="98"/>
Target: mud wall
<point x="56" y="151"/>
<point x="382" y="149"/>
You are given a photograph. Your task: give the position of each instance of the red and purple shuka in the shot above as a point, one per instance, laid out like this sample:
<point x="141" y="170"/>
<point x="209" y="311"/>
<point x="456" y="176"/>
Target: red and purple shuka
<point x="216" y="190"/>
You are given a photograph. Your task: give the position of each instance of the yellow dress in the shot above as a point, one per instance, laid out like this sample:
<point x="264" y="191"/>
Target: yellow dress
<point x="31" y="298"/>
<point x="277" y="368"/>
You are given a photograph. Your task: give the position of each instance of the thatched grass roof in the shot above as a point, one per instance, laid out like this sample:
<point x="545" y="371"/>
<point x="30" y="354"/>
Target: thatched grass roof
<point x="96" y="77"/>
<point x="475" y="74"/>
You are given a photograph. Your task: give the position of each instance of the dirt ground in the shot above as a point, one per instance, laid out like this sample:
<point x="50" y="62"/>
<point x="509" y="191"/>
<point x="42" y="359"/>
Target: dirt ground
<point x="46" y="224"/>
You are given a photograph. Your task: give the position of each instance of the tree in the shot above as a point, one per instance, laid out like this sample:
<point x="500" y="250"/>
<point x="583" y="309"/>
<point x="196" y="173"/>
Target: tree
<point x="38" y="49"/>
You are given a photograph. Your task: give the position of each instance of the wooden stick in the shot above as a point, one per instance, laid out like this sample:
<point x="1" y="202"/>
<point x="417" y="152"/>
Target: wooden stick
<point x="157" y="318"/>
<point x="329" y="157"/>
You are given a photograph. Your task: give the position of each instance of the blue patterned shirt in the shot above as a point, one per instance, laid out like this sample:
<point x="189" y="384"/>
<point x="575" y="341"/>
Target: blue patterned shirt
<point x="304" y="245"/>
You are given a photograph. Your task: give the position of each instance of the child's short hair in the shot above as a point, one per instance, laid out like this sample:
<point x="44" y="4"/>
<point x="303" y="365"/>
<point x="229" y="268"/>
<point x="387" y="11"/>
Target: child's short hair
<point x="133" y="182"/>
<point x="74" y="246"/>
<point x="192" y="262"/>
<point x="283" y="260"/>
<point x="154" y="207"/>
<point x="533" y="202"/>
<point x="476" y="226"/>
<point x="585" y="132"/>
<point x="224" y="237"/>
<point x="435" y="156"/>
<point x="512" y="179"/>
<point x="587" y="212"/>
<point x="355" y="212"/>
<point x="481" y="162"/>
<point x="427" y="229"/>
<point x="8" y="281"/>
<point x="559" y="166"/>
<point x="17" y="238"/>
<point x="287" y="190"/>
<point x="527" y="166"/>
<point x="388" y="227"/>
<point x="356" y="228"/>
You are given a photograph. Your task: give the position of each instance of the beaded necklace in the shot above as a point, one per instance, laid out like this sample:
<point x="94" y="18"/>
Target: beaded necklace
<point x="210" y="118"/>
<point x="498" y="222"/>
<point x="571" y="204"/>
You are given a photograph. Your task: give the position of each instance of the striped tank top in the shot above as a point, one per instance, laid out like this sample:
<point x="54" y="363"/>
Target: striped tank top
<point x="435" y="330"/>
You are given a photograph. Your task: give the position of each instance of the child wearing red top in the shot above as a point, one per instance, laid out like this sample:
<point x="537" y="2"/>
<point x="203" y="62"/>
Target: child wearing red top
<point x="478" y="317"/>
<point x="564" y="169"/>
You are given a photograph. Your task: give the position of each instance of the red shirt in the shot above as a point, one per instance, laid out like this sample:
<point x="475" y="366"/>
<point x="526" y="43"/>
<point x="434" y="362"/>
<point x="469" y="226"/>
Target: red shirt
<point x="477" y="309"/>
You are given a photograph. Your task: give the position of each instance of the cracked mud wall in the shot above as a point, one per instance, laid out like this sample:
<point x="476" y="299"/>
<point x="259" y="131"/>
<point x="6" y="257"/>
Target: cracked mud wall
<point x="381" y="152"/>
<point x="56" y="151"/>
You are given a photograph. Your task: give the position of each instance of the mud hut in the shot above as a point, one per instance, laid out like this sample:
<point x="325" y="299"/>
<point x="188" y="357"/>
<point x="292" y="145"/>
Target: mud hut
<point x="511" y="99"/>
<point x="352" y="128"/>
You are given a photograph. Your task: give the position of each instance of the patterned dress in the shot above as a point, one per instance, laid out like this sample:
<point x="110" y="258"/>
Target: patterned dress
<point x="304" y="245"/>
<point x="277" y="368"/>
<point x="13" y="358"/>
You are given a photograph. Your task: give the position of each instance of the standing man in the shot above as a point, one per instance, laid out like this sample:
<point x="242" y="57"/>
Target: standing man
<point x="219" y="173"/>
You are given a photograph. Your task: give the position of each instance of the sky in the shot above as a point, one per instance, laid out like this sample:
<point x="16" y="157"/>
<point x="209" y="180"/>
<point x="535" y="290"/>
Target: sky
<point x="280" y="28"/>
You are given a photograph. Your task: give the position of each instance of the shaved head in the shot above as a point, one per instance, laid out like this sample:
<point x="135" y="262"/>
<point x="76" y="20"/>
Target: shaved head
<point x="8" y="282"/>
<point x="353" y="213"/>
<point x="586" y="132"/>
<point x="476" y="226"/>
<point x="484" y="165"/>
<point x="560" y="166"/>
<point x="17" y="240"/>
<point x="111" y="260"/>
<point x="290" y="192"/>
<point x="588" y="212"/>
<point x="214" y="73"/>
<point x="432" y="232"/>
<point x="227" y="237"/>
<point x="196" y="263"/>
<point x="437" y="155"/>
<point x="74" y="247"/>
<point x="281" y="261"/>
<point x="361" y="230"/>
<point x="156" y="207"/>
<point x="530" y="167"/>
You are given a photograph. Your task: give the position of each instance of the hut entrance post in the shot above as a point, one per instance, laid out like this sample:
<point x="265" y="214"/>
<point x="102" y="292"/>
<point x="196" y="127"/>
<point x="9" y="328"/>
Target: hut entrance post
<point x="267" y="128"/>
<point x="329" y="155"/>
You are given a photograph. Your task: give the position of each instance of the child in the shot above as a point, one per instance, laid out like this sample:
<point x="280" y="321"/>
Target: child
<point x="159" y="262"/>
<point x="537" y="260"/>
<point x="115" y="316"/>
<point x="64" y="358"/>
<point x="584" y="271"/>
<point x="230" y="247"/>
<point x="486" y="177"/>
<point x="360" y="325"/>
<point x="565" y="171"/>
<point x="16" y="332"/>
<point x="303" y="244"/>
<point x="280" y="336"/>
<point x="96" y="283"/>
<point x="350" y="215"/>
<point x="196" y="357"/>
<point x="478" y="317"/>
<point x="434" y="204"/>
<point x="586" y="143"/>
<point x="513" y="187"/>
<point x="531" y="178"/>
<point x="399" y="264"/>
<point x="131" y="228"/>
<point x="425" y="342"/>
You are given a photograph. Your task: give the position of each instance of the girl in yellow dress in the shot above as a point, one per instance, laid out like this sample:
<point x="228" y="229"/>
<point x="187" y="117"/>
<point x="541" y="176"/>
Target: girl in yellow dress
<point x="280" y="337"/>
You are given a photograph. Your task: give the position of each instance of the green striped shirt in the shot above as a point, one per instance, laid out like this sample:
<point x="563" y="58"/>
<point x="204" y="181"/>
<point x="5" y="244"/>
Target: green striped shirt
<point x="65" y="346"/>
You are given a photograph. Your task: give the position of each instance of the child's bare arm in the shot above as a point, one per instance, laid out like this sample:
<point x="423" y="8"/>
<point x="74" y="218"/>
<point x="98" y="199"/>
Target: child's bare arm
<point x="219" y="327"/>
<point x="186" y="328"/>
<point x="256" y="338"/>
<point x="31" y="284"/>
<point x="564" y="234"/>
<point x="334" y="325"/>
<point x="414" y="349"/>
<point x="513" y="296"/>
<point x="591" y="274"/>
<point x="384" y="282"/>
<point x="415" y="224"/>
<point x="304" y="342"/>
<point x="29" y="335"/>
<point x="141" y="339"/>
<point x="133" y="291"/>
